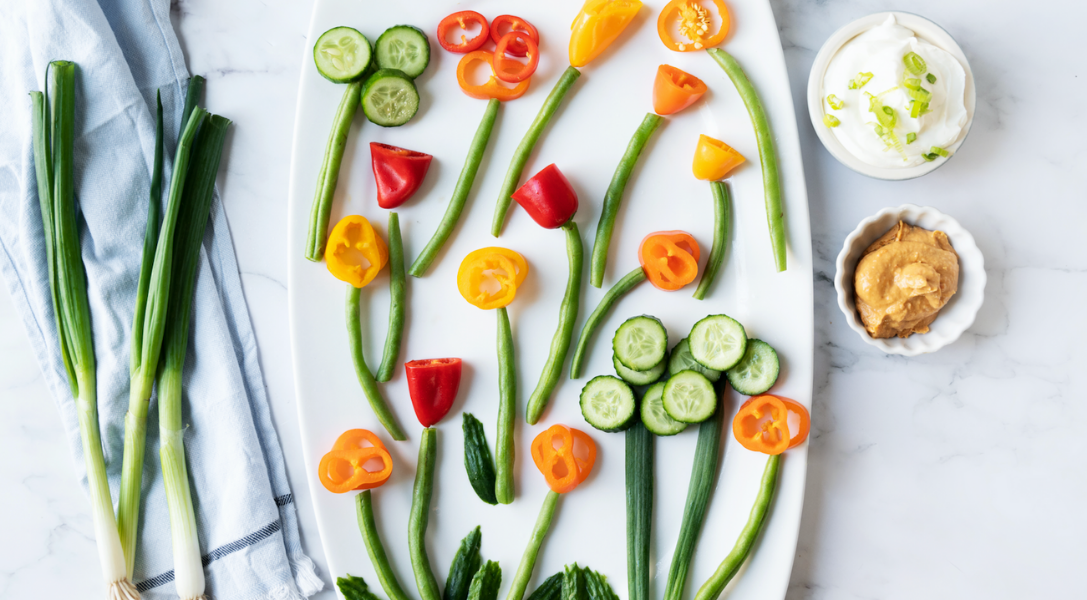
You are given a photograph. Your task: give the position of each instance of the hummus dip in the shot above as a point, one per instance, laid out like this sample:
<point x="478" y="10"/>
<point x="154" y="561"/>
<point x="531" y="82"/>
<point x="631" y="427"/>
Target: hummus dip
<point x="903" y="280"/>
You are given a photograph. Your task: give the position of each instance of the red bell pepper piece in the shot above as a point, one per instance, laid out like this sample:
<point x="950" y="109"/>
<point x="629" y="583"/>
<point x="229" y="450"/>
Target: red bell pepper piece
<point x="398" y="173"/>
<point x="517" y="47"/>
<point x="512" y="71"/>
<point x="463" y="20"/>
<point x="432" y="385"/>
<point x="548" y="198"/>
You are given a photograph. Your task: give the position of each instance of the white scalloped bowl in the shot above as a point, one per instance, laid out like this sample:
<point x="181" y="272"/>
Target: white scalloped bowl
<point x="959" y="312"/>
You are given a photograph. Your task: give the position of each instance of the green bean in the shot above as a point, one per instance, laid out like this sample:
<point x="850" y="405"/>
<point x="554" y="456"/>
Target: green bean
<point x="639" y="484"/>
<point x="720" y="238"/>
<point x="366" y="379"/>
<point x="703" y="477"/>
<point x="397" y="301"/>
<point x="507" y="410"/>
<point x="460" y="193"/>
<point x="771" y="181"/>
<point x="621" y="287"/>
<point x="614" y="196"/>
<point x="528" y="559"/>
<point x="330" y="172"/>
<point x="364" y="512"/>
<point x="560" y="343"/>
<point x="728" y="568"/>
<point x="524" y="149"/>
<point x="420" y="516"/>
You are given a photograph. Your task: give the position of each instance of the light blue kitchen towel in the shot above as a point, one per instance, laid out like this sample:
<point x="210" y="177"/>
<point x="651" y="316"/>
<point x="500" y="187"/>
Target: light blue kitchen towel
<point x="126" y="50"/>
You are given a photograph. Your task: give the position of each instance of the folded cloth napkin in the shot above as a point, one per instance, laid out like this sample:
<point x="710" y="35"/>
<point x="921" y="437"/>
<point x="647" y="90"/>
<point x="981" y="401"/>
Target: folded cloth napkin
<point x="126" y="50"/>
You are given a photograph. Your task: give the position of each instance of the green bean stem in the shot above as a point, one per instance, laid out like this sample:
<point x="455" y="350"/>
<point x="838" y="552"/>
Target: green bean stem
<point x="771" y="180"/>
<point x="639" y="474"/>
<point x="330" y="172"/>
<point x="560" y="343"/>
<point x="721" y="211"/>
<point x="397" y="301"/>
<point x="614" y="196"/>
<point x="728" y="568"/>
<point x="364" y="511"/>
<point x="703" y="477"/>
<point x="528" y="559"/>
<point x="420" y="515"/>
<point x="366" y="379"/>
<point x="460" y="193"/>
<point x="507" y="410"/>
<point x="612" y="296"/>
<point x="524" y="149"/>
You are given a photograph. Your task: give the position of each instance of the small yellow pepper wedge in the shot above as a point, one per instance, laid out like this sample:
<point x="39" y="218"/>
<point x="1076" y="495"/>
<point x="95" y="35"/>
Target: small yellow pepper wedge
<point x="713" y="159"/>
<point x="481" y="270"/>
<point x="355" y="253"/>
<point x="597" y="26"/>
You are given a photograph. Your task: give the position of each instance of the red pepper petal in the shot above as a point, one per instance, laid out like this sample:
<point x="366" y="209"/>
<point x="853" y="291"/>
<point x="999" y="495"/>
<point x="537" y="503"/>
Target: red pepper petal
<point x="548" y="198"/>
<point x="398" y="173"/>
<point x="516" y="48"/>
<point x="432" y="385"/>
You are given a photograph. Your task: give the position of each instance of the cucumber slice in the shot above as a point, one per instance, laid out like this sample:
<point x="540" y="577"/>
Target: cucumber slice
<point x="389" y="98"/>
<point x="639" y="377"/>
<point x="757" y="371"/>
<point x="405" y="48"/>
<point x="654" y="417"/>
<point x="689" y="397"/>
<point x="681" y="360"/>
<point x="607" y="403"/>
<point x="640" y="343"/>
<point x="342" y="54"/>
<point x="718" y="342"/>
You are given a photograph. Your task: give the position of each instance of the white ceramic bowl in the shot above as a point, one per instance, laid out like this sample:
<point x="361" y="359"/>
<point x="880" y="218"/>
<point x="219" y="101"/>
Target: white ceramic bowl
<point x="959" y="312"/>
<point x="926" y="30"/>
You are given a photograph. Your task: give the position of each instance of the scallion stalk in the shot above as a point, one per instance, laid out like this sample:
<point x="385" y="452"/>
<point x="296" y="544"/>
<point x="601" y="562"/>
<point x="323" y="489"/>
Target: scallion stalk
<point x="53" y="125"/>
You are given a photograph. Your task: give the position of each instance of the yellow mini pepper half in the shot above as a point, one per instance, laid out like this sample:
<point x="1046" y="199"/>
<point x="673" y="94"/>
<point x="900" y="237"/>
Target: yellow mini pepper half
<point x="713" y="159"/>
<point x="481" y="270"/>
<point x="355" y="253"/>
<point x="597" y="26"/>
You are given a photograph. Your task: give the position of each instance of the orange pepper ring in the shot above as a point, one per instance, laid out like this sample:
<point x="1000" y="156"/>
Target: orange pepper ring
<point x="331" y="472"/>
<point x="669" y="11"/>
<point x="752" y="431"/>
<point x="658" y="249"/>
<point x="492" y="88"/>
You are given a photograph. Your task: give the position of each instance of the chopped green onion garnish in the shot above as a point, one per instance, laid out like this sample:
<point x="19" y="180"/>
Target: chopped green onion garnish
<point x="938" y="151"/>
<point x="910" y="137"/>
<point x="914" y="63"/>
<point x="831" y="120"/>
<point x="930" y="157"/>
<point x="930" y="78"/>
<point x="912" y="84"/>
<point x="884" y="114"/>
<point x="890" y="139"/>
<point x="835" y="102"/>
<point x="918" y="108"/>
<point x="858" y="82"/>
<point x="919" y="94"/>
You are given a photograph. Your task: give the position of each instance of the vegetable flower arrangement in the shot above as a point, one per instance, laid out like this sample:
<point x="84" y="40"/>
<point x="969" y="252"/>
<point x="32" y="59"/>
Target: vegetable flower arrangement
<point x="565" y="457"/>
<point x="507" y="269"/>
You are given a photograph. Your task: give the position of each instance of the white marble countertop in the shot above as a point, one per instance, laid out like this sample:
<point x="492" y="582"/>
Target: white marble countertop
<point x="954" y="475"/>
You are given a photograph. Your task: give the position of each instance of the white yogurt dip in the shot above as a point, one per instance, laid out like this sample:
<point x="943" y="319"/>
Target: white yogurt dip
<point x="879" y="52"/>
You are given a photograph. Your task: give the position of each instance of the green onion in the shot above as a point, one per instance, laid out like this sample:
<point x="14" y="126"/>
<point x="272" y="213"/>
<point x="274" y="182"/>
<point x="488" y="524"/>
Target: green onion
<point x="912" y="84"/>
<point x="939" y="151"/>
<point x="831" y="120"/>
<point x="205" y="134"/>
<point x="885" y="115"/>
<point x="860" y="80"/>
<point x="53" y="126"/>
<point x="148" y="324"/>
<point x="930" y="78"/>
<point x="914" y="63"/>
<point x="918" y="108"/>
<point x="911" y="137"/>
<point x="835" y="102"/>
<point x="930" y="157"/>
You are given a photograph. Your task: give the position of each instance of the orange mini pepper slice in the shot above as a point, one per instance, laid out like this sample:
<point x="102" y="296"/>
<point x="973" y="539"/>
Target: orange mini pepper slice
<point x="598" y="25"/>
<point x="694" y="22"/>
<point x="669" y="259"/>
<point x="798" y="421"/>
<point x="355" y="252"/>
<point x="565" y="456"/>
<point x="492" y="88"/>
<point x="713" y="159"/>
<point x="675" y="90"/>
<point x="483" y="268"/>
<point x="762" y="424"/>
<point x="349" y="465"/>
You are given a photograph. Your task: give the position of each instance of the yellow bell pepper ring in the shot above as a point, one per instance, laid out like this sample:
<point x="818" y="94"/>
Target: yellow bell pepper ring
<point x="597" y="26"/>
<point x="355" y="252"/>
<point x="713" y="159"/>
<point x="489" y="277"/>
